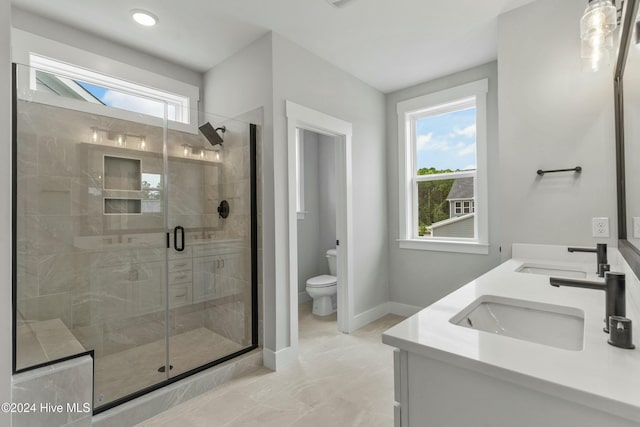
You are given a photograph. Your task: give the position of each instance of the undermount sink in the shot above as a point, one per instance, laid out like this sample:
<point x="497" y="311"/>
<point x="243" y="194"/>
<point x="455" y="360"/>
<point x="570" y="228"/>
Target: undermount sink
<point x="551" y="325"/>
<point x="555" y="271"/>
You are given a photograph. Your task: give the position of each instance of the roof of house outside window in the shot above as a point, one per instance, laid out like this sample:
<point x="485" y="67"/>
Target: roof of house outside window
<point x="461" y="189"/>
<point x="63" y="86"/>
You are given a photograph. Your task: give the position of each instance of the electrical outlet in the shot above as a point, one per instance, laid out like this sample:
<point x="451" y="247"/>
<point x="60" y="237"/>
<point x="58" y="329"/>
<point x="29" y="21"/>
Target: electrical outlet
<point x="636" y="227"/>
<point x="600" y="227"/>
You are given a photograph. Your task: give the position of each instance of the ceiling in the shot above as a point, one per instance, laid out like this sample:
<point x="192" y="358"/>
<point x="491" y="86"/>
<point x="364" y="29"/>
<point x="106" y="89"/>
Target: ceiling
<point x="389" y="44"/>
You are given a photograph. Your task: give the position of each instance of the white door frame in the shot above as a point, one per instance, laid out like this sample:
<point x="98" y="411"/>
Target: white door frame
<point x="306" y="118"/>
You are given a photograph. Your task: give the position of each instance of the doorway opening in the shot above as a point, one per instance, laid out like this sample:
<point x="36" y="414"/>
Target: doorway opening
<point x="316" y="218"/>
<point x="329" y="130"/>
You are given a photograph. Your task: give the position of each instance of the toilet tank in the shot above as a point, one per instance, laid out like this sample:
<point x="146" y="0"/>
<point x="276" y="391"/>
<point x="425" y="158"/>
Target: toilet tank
<point x="331" y="259"/>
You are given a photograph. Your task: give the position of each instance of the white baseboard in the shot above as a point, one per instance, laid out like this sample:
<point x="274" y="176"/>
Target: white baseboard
<point x="276" y="360"/>
<point x="381" y="310"/>
<point x="371" y="315"/>
<point x="303" y="297"/>
<point x="404" y="310"/>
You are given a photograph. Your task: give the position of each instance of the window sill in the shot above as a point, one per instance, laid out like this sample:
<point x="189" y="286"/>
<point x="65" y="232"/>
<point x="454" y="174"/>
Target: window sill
<point x="445" y="246"/>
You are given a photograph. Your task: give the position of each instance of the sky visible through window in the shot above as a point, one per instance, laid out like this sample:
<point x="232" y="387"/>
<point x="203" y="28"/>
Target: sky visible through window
<point x="447" y="141"/>
<point x="96" y="91"/>
<point x="124" y="101"/>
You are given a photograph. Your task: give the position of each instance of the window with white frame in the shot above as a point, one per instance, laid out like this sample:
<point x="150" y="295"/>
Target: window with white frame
<point x="443" y="185"/>
<point x="58" y="83"/>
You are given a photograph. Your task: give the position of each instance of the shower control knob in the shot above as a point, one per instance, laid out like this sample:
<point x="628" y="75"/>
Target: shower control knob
<point x="223" y="209"/>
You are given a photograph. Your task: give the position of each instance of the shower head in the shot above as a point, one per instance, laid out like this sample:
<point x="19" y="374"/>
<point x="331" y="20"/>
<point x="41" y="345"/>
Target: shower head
<point x="212" y="134"/>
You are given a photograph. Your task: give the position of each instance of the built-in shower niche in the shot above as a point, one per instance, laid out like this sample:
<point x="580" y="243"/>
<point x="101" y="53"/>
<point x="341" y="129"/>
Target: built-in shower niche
<point x="122" y="206"/>
<point x="125" y="196"/>
<point x="121" y="173"/>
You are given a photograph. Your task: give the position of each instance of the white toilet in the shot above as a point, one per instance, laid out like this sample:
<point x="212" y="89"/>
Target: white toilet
<point x="323" y="289"/>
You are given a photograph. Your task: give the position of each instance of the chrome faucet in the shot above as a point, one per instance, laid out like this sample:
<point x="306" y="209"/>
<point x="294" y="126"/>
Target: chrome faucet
<point x="613" y="286"/>
<point x="601" y="257"/>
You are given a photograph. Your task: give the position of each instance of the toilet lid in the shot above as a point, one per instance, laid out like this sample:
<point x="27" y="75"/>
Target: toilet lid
<point x="322" y="281"/>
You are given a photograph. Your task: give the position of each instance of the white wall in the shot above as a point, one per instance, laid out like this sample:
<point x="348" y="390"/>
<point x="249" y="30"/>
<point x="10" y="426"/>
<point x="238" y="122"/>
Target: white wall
<point x="267" y="73"/>
<point x="309" y="226"/>
<point x="305" y="79"/>
<point x="420" y="278"/>
<point x="240" y="84"/>
<point x="327" y="196"/>
<point x="553" y="115"/>
<point x="5" y="210"/>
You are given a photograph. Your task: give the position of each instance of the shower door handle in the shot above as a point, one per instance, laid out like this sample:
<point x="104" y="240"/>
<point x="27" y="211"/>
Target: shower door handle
<point x="175" y="238"/>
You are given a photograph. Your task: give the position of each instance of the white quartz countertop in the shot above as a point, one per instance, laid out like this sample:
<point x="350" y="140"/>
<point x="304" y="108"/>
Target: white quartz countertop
<point x="600" y="375"/>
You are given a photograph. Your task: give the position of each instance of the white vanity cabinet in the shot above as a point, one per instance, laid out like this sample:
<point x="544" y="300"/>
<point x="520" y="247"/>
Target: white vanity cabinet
<point x="180" y="277"/>
<point x="202" y="272"/>
<point x="431" y="392"/>
<point x="214" y="270"/>
<point x="449" y="375"/>
<point x="204" y="278"/>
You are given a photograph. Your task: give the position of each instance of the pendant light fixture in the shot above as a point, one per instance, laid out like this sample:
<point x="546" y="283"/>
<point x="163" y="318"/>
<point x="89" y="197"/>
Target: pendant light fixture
<point x="597" y="25"/>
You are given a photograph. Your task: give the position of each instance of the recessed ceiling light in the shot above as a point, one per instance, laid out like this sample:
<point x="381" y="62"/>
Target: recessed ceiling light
<point x="144" y="17"/>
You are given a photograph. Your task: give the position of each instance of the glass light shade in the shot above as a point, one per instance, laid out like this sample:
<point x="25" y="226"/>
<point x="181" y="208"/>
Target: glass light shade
<point x="596" y="33"/>
<point x="596" y="44"/>
<point x="596" y="57"/>
<point x="599" y="19"/>
<point x="597" y="62"/>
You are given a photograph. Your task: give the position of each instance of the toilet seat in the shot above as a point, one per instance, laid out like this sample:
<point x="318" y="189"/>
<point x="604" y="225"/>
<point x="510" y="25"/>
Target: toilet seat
<point x="322" y="281"/>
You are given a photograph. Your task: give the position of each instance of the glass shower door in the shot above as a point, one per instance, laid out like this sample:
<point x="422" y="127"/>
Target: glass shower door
<point x="133" y="240"/>
<point x="90" y="235"/>
<point x="130" y="268"/>
<point x="209" y="260"/>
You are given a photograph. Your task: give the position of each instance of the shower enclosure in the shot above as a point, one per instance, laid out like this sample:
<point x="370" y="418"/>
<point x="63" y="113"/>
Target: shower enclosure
<point x="134" y="237"/>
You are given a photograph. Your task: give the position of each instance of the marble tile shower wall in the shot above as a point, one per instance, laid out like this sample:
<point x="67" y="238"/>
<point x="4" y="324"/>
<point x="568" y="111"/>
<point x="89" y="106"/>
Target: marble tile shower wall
<point x="229" y="313"/>
<point x="102" y="275"/>
<point x="67" y="383"/>
<point x="232" y="317"/>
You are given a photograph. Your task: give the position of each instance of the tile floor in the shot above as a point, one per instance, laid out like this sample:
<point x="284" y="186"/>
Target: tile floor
<point x="340" y="380"/>
<point x="126" y="372"/>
